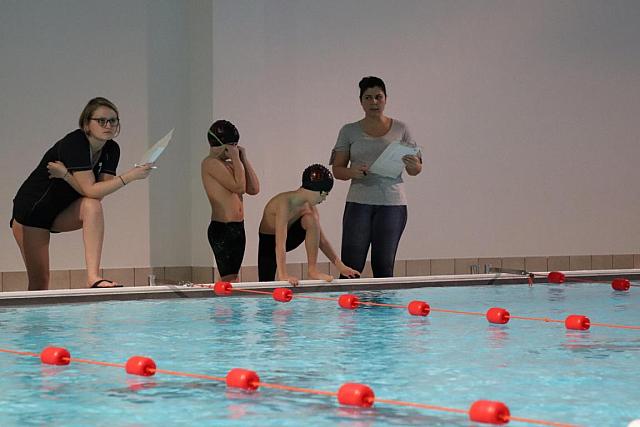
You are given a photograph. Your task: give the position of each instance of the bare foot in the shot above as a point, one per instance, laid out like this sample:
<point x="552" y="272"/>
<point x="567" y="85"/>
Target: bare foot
<point x="293" y="280"/>
<point x="320" y="276"/>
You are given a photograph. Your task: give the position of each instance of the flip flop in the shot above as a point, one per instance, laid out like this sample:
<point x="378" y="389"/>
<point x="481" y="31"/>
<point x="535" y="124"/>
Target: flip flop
<point x="95" y="285"/>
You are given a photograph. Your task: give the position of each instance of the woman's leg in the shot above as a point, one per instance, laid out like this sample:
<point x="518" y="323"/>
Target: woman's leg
<point x="388" y="225"/>
<point x="34" y="247"/>
<point x="87" y="214"/>
<point x="356" y="235"/>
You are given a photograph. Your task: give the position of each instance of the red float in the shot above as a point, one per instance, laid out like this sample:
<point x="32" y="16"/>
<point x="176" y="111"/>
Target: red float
<point x="354" y="394"/>
<point x="419" y="308"/>
<point x="488" y="411"/>
<point x="282" y="294"/>
<point x="621" y="284"/>
<point x="577" y="322"/>
<point x="243" y="378"/>
<point x="55" y="356"/>
<point x="556" y="277"/>
<point x="140" y="365"/>
<point x="223" y="288"/>
<point x="498" y="315"/>
<point x="348" y="301"/>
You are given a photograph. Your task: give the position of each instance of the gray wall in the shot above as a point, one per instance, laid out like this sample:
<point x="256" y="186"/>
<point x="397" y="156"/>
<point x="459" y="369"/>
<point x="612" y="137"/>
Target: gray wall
<point x="527" y="112"/>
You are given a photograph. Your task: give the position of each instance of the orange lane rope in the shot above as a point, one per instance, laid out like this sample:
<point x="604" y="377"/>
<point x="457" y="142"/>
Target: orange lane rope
<point x="441" y="310"/>
<point x="21" y="353"/>
<point x="609" y="325"/>
<point x="271" y="293"/>
<point x="296" y="389"/>
<point x="604" y="325"/>
<point x="257" y="383"/>
<point x="462" y="411"/>
<point x="553" y="276"/>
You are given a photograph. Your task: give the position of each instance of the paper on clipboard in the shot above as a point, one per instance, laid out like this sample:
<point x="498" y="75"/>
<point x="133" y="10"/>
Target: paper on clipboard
<point x="389" y="163"/>
<point x="154" y="152"/>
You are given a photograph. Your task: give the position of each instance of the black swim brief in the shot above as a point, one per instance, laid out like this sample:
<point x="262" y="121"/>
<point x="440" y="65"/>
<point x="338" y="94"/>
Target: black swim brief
<point x="228" y="241"/>
<point x="267" y="265"/>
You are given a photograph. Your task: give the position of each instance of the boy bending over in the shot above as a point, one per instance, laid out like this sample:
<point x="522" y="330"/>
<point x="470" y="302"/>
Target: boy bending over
<point x="291" y="218"/>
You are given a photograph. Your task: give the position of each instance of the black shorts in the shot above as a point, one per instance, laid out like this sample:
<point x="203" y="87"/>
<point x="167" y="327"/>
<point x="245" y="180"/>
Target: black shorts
<point x="39" y="215"/>
<point x="227" y="240"/>
<point x="267" y="265"/>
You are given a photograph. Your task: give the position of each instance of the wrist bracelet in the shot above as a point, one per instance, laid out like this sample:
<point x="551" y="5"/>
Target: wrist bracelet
<point x="122" y="179"/>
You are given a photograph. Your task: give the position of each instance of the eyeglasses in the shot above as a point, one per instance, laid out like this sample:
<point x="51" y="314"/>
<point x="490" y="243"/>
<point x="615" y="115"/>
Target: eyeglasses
<point x="103" y="122"/>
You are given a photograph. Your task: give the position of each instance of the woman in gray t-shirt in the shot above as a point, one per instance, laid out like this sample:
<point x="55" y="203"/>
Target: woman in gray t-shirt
<point x="376" y="209"/>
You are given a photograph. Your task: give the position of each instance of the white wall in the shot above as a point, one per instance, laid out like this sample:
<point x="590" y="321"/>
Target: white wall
<point x="169" y="106"/>
<point x="58" y="55"/>
<point x="527" y="111"/>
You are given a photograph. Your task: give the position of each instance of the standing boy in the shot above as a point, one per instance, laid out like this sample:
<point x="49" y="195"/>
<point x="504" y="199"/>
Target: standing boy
<point x="226" y="175"/>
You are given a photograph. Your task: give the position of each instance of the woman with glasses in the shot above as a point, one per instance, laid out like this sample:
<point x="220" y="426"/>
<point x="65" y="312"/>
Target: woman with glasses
<point x="65" y="191"/>
<point x="376" y="210"/>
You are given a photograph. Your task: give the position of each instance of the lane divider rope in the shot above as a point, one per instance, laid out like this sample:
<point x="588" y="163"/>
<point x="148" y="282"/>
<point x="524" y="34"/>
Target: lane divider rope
<point x="349" y="394"/>
<point x="496" y="315"/>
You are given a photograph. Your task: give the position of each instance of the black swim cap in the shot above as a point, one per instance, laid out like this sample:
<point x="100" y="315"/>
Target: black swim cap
<point x="317" y="178"/>
<point x="222" y="132"/>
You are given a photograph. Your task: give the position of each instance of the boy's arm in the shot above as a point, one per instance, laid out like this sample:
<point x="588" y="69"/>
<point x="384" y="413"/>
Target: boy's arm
<point x="253" y="185"/>
<point x="328" y="251"/>
<point x="232" y="181"/>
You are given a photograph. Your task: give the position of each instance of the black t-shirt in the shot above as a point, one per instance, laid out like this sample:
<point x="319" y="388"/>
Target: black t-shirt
<point x="74" y="150"/>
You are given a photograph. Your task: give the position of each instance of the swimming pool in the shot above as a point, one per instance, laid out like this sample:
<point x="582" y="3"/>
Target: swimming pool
<point x="539" y="369"/>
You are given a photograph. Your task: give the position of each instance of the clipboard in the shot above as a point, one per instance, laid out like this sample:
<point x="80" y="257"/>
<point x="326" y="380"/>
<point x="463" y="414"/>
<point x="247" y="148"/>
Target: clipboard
<point x="152" y="154"/>
<point x="389" y="163"/>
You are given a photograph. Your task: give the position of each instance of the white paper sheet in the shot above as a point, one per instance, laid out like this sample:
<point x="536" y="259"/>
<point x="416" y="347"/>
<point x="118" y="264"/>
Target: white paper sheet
<point x="389" y="163"/>
<point x="154" y="152"/>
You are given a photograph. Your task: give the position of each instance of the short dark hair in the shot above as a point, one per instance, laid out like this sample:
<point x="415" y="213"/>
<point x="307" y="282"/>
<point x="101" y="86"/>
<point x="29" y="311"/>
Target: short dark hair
<point x="92" y="106"/>
<point x="369" y="82"/>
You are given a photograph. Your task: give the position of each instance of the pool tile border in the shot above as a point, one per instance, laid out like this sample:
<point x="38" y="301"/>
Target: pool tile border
<point x="65" y="296"/>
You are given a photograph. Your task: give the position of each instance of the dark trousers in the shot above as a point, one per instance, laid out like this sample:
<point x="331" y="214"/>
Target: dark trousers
<point x="377" y="226"/>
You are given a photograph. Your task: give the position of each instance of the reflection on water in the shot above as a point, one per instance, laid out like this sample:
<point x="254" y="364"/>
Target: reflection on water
<point x="497" y="336"/>
<point x="136" y="385"/>
<point x="280" y="317"/>
<point x="582" y="342"/>
<point x="556" y="293"/>
<point x="377" y="297"/>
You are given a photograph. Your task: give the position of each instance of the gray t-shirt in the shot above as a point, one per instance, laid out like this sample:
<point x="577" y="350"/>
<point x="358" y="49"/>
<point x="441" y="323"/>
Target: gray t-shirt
<point x="373" y="189"/>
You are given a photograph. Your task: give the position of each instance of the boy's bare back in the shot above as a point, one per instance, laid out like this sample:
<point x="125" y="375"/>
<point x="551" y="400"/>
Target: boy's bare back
<point x="282" y="204"/>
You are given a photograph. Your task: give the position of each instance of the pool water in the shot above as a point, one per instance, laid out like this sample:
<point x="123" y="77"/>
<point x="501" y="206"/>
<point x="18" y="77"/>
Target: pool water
<point x="539" y="370"/>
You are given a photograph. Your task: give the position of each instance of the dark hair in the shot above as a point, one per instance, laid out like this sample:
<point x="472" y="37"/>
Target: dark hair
<point x="92" y="106"/>
<point x="222" y="132"/>
<point x="317" y="178"/>
<point x="369" y="82"/>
